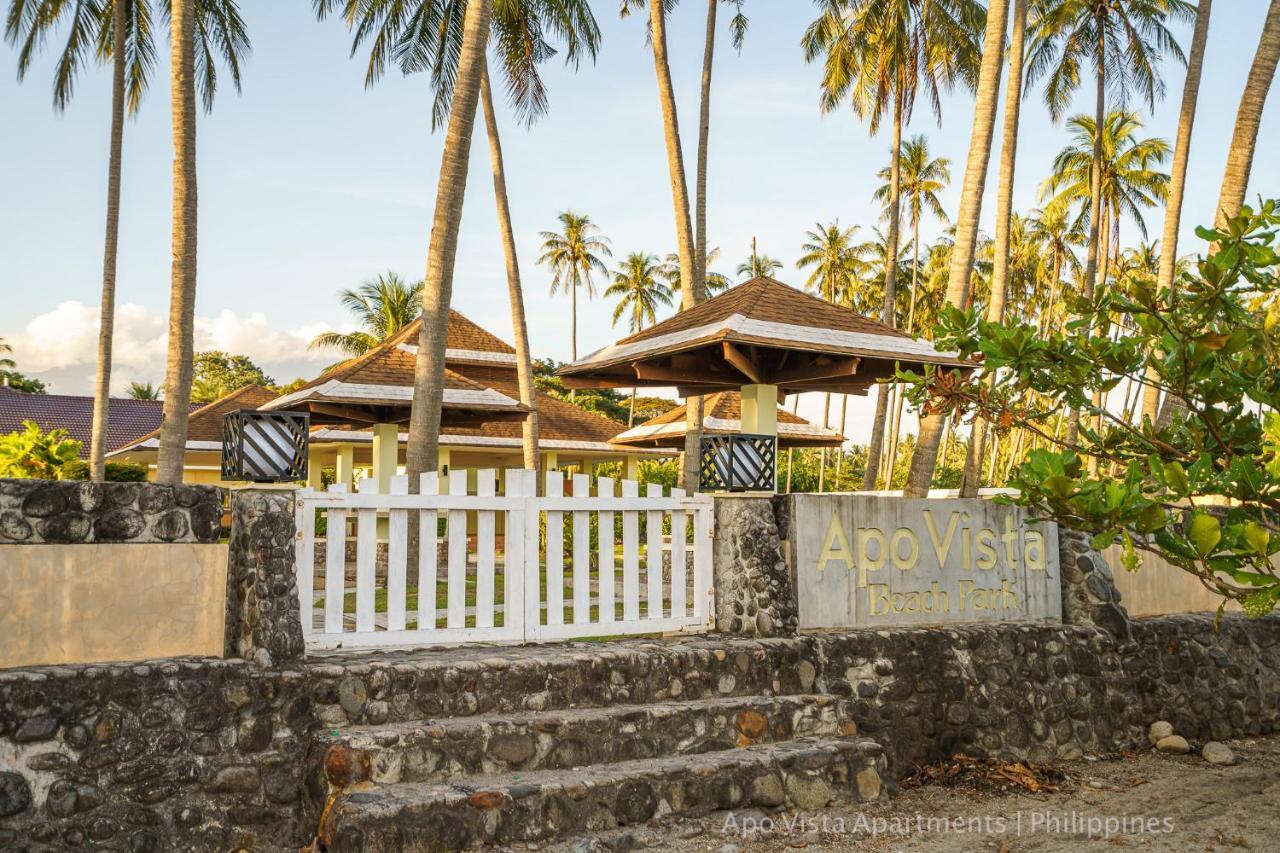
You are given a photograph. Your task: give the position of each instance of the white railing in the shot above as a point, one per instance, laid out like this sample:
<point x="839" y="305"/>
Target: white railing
<point x="502" y="564"/>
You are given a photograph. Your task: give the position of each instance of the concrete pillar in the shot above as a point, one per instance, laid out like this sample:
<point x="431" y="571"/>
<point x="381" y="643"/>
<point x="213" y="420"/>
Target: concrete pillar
<point x="632" y="467"/>
<point x="344" y="466"/>
<point x="386" y="455"/>
<point x="760" y="409"/>
<point x="443" y="456"/>
<point x="315" y="469"/>
<point x="551" y="461"/>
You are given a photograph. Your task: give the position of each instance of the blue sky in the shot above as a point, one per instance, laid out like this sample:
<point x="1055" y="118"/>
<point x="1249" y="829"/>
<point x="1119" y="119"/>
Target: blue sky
<point x="310" y="183"/>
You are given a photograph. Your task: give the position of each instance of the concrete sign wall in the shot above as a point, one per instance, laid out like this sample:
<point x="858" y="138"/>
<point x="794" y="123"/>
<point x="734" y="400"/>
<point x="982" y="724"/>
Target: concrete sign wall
<point x="872" y="561"/>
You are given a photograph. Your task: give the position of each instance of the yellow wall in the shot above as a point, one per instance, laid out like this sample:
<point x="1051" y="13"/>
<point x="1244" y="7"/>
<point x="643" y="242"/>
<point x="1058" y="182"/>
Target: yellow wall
<point x="87" y="603"/>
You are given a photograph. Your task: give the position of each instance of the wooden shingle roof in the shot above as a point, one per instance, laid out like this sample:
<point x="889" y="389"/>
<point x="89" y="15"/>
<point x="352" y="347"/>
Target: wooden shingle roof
<point x="760" y="332"/>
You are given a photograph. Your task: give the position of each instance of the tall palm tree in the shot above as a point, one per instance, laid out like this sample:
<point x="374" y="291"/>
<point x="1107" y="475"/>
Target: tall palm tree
<point x="878" y="56"/>
<point x="693" y="289"/>
<point x="924" y="458"/>
<point x="192" y="70"/>
<point x="1004" y="221"/>
<point x="428" y="41"/>
<point x="1235" y="181"/>
<point x="121" y="34"/>
<point x="573" y="254"/>
<point x="1123" y="41"/>
<point x="831" y="252"/>
<point x="921" y="178"/>
<point x="1058" y="234"/>
<point x="1178" y="178"/>
<point x="1131" y="179"/>
<point x="428" y="393"/>
<point x="829" y="249"/>
<point x="757" y="265"/>
<point x="383" y="306"/>
<point x="738" y="31"/>
<point x="6" y="363"/>
<point x="640" y="291"/>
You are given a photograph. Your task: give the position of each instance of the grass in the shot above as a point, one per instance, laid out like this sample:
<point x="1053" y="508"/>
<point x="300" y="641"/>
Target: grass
<point x="499" y="593"/>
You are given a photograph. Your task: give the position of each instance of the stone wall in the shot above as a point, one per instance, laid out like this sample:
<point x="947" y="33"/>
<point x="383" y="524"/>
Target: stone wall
<point x="69" y="512"/>
<point x="1089" y="594"/>
<point x="754" y="595"/>
<point x="178" y="754"/>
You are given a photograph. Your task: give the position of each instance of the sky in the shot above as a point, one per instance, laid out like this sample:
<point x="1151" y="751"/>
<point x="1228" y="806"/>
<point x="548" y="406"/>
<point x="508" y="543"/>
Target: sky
<point x="309" y="183"/>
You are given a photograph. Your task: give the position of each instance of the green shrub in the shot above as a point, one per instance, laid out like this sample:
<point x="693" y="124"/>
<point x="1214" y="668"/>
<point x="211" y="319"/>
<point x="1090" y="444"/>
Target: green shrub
<point x="117" y="472"/>
<point x="33" y="454"/>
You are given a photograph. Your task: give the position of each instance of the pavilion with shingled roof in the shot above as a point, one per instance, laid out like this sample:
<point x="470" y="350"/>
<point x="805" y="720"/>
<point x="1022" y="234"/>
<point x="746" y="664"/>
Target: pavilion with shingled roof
<point x="766" y="340"/>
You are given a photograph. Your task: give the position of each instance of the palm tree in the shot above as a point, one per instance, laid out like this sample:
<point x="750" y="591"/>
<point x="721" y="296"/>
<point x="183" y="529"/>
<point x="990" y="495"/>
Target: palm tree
<point x="1235" y="181"/>
<point x="714" y="282"/>
<point x="573" y="254"/>
<point x="119" y="33"/>
<point x="1178" y="178"/>
<point x="143" y="391"/>
<point x="428" y="41"/>
<point x="924" y="458"/>
<point x="1004" y="221"/>
<point x="639" y="289"/>
<point x="830" y="251"/>
<point x="6" y="363"/>
<point x="383" y="306"/>
<point x="1123" y="41"/>
<point x="1058" y="234"/>
<point x="188" y="57"/>
<point x="702" y="256"/>
<point x="693" y="289"/>
<point x="757" y="265"/>
<point x="921" y="178"/>
<point x="1130" y="178"/>
<point x="878" y="56"/>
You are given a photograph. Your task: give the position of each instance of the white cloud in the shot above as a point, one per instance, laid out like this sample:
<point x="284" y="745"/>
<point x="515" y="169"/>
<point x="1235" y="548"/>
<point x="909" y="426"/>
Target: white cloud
<point x="61" y="346"/>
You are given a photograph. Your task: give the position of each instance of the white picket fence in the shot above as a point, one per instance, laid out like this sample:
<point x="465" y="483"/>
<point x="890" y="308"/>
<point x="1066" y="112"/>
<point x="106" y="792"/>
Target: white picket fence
<point x="505" y="578"/>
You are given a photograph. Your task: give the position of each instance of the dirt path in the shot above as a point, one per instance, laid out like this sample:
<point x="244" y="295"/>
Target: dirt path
<point x="1168" y="803"/>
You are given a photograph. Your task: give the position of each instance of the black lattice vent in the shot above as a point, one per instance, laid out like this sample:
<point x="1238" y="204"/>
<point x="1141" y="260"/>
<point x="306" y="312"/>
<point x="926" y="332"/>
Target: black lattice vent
<point x="739" y="463"/>
<point x="265" y="447"/>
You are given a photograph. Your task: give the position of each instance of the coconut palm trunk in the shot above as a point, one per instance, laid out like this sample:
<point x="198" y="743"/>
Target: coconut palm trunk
<point x="519" y="325"/>
<point x="704" y="134"/>
<point x="1235" y="182"/>
<point x="925" y="458"/>
<point x="1004" y="220"/>
<point x="107" y="313"/>
<point x="691" y="291"/>
<point x="1095" y="191"/>
<point x="876" y="446"/>
<point x="428" y="375"/>
<point x="182" y="288"/>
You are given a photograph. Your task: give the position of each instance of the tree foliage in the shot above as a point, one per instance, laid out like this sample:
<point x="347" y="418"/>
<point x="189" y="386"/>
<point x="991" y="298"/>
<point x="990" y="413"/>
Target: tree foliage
<point x="217" y="374"/>
<point x="1202" y="488"/>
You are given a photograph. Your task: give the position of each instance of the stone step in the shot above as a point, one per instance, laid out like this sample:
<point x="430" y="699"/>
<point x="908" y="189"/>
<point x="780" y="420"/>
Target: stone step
<point x="389" y="686"/>
<point x="550" y="804"/>
<point x="445" y="750"/>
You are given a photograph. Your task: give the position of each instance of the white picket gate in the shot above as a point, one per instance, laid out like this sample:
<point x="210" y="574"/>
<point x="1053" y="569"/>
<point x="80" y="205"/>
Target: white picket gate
<point x="491" y="566"/>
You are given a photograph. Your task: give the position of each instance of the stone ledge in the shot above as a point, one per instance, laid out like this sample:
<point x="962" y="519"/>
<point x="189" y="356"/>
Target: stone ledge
<point x="33" y="512"/>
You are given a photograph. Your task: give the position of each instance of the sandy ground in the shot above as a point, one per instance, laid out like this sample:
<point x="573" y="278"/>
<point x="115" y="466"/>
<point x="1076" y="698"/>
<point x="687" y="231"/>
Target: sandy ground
<point x="1166" y="803"/>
